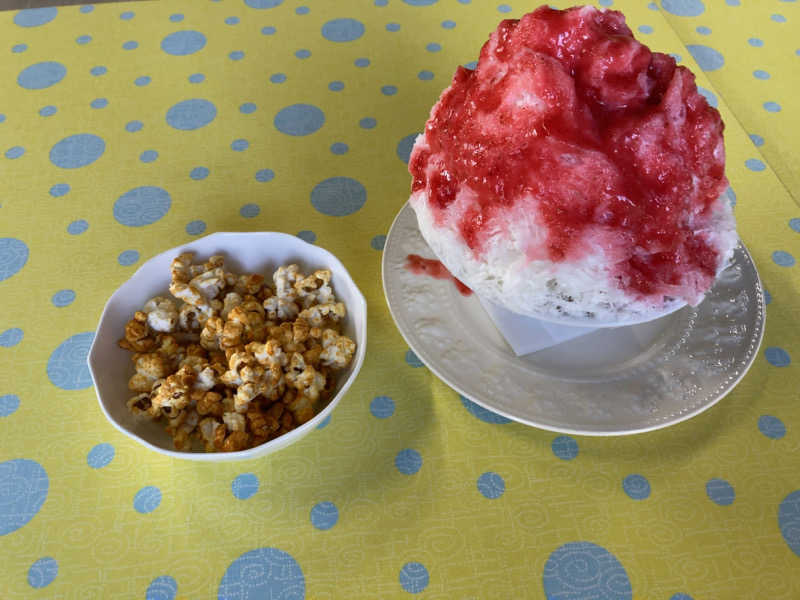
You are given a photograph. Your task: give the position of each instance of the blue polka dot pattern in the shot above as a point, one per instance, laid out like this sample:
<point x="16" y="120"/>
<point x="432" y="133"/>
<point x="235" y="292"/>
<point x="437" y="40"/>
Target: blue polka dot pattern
<point x="684" y="8"/>
<point x="191" y="114"/>
<point x="361" y="62"/>
<point x="128" y="258"/>
<point x="767" y="297"/>
<point x="142" y="81"/>
<point x="754" y="164"/>
<point x="794" y="224"/>
<point x="35" y="17"/>
<point x="367" y="123"/>
<point x="83" y="39"/>
<point x="710" y="97"/>
<point x="302" y="10"/>
<point x="66" y="367"/>
<point x="263" y="573"/>
<point x="342" y="30"/>
<point x="760" y="74"/>
<point x="240" y="145"/>
<point x="731" y="196"/>
<point x="505" y="8"/>
<point x="483" y="414"/>
<point x="133" y="126"/>
<point x="236" y="55"/>
<point x="778" y="18"/>
<point x="18" y="48"/>
<point x="491" y="485"/>
<point x="680" y="597"/>
<point x="755" y="42"/>
<point x="303" y="53"/>
<point x="339" y="148"/>
<point x="268" y="30"/>
<point x="777" y="357"/>
<point x="324" y="423"/>
<point x="244" y="486"/>
<point x="63" y="298"/>
<point x="733" y="2"/>
<point x="87" y="8"/>
<point x="388" y="90"/>
<point x="408" y="461"/>
<point x="324" y="515"/>
<point x="757" y="139"/>
<point x="142" y="206"/>
<point x="163" y="587"/>
<point x="636" y="487"/>
<point x="41" y="75"/>
<point x="448" y="24"/>
<point x="127" y="15"/>
<point x="393" y="27"/>
<point x="98" y="70"/>
<point x="425" y="75"/>
<point x="9" y="403"/>
<point x="414" y="577"/>
<point x="23" y="490"/>
<point x="148" y="156"/>
<point x="262" y="4"/>
<point x="703" y="30"/>
<point x="564" y="447"/>
<point x="43" y="572"/>
<point x="299" y="119"/>
<point x="277" y="77"/>
<point x="338" y="196"/>
<point x="382" y="407"/>
<point x="706" y="57"/>
<point x="583" y="570"/>
<point x="605" y="2"/>
<point x="404" y="147"/>
<point x="147" y="499"/>
<point x="720" y="492"/>
<point x="13" y="256"/>
<point x="248" y="211"/>
<point x="130" y="45"/>
<point x="645" y="29"/>
<point x="59" y="189"/>
<point x="783" y="259"/>
<point x="307" y="236"/>
<point x="789" y="521"/>
<point x="199" y="173"/>
<point x="232" y="21"/>
<point x="772" y="106"/>
<point x="15" y="152"/>
<point x="76" y="151"/>
<point x="176" y="18"/>
<point x="197" y="78"/>
<point x="433" y="47"/>
<point x="265" y="175"/>
<point x="472" y="65"/>
<point x="11" y="337"/>
<point x="100" y="456"/>
<point x="378" y="242"/>
<point x="412" y="360"/>
<point x="195" y="227"/>
<point x="772" y="427"/>
<point x="247" y="108"/>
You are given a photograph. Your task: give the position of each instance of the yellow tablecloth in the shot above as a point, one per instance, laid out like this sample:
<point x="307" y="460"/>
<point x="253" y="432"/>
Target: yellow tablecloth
<point x="179" y="108"/>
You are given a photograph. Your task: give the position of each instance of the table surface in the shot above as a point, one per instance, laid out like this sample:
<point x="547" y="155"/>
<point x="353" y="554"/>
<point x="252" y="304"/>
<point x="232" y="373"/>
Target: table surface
<point x="409" y="489"/>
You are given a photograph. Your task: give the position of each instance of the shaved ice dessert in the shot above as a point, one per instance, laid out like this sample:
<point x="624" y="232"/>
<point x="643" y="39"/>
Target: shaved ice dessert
<point x="575" y="174"/>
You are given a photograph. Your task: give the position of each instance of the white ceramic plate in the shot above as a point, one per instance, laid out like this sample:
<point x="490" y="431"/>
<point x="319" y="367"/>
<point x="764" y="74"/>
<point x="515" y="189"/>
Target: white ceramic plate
<point x="611" y="382"/>
<point x="257" y="252"/>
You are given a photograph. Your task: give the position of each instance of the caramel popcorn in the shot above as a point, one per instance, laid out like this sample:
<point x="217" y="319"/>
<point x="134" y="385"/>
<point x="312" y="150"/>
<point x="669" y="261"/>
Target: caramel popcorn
<point x="230" y="362"/>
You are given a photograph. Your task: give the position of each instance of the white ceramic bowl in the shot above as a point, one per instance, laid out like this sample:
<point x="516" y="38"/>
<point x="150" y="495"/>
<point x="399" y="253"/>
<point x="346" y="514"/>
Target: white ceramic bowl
<point x="258" y="252"/>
